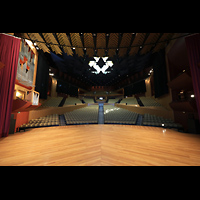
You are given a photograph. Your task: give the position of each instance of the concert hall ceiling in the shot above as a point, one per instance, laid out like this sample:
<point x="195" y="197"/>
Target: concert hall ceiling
<point x="100" y="44"/>
<point x="129" y="53"/>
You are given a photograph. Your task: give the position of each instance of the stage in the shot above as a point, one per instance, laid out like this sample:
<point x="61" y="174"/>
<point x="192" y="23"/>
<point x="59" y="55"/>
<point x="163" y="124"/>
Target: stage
<point x="100" y="145"/>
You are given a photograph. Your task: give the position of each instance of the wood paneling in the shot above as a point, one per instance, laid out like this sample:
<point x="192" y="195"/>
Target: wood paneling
<point x="100" y="145"/>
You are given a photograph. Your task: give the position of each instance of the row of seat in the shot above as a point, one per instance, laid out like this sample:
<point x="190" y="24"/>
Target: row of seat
<point x="86" y="115"/>
<point x="114" y="115"/>
<point x="148" y="101"/>
<point x="130" y="100"/>
<point x="113" y="100"/>
<point x="72" y="101"/>
<point x="52" y="102"/>
<point x="152" y="120"/>
<point x="49" y="120"/>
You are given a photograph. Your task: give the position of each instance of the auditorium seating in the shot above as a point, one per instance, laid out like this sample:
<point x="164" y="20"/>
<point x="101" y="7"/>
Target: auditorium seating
<point x="112" y="115"/>
<point x="52" y="102"/>
<point x="88" y="100"/>
<point x="152" y="120"/>
<point x="148" y="101"/>
<point x="72" y="101"/>
<point x="115" y="115"/>
<point x="130" y="100"/>
<point x="49" y="120"/>
<point x="113" y="100"/>
<point x="86" y="115"/>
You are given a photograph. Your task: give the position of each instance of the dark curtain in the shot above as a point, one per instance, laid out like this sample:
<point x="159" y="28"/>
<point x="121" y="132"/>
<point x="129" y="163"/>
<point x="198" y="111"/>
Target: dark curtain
<point x="9" y="54"/>
<point x="193" y="51"/>
<point x="160" y="74"/>
<point x="42" y="76"/>
<point x="139" y="87"/>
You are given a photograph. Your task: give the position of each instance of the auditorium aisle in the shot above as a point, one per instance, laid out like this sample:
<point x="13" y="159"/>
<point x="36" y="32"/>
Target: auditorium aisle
<point x="101" y="114"/>
<point x="139" y="120"/>
<point x="62" y="120"/>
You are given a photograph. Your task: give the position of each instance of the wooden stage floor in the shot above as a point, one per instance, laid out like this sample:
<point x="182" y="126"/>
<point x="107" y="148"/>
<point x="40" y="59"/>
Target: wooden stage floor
<point x="100" y="145"/>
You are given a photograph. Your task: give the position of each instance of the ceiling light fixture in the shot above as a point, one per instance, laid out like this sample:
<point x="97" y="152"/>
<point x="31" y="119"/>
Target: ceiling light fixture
<point x="98" y="68"/>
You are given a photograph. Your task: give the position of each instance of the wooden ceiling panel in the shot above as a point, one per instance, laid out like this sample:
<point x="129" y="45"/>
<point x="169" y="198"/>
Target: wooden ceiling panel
<point x="122" y="52"/>
<point x="77" y="43"/>
<point x="37" y="37"/>
<point x="113" y="44"/>
<point x="63" y="39"/>
<point x="125" y="42"/>
<point x="139" y="38"/>
<point x="126" y="39"/>
<point x="101" y="40"/>
<point x="100" y="52"/>
<point x="90" y="52"/>
<point x="153" y="37"/>
<point x="165" y="36"/>
<point x="89" y="44"/>
<point x="51" y="39"/>
<point x="111" y="52"/>
<point x="113" y="40"/>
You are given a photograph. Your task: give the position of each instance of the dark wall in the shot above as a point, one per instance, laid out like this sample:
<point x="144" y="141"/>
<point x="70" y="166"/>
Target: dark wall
<point x="66" y="88"/>
<point x="42" y="76"/>
<point x="135" y="88"/>
<point x="160" y="74"/>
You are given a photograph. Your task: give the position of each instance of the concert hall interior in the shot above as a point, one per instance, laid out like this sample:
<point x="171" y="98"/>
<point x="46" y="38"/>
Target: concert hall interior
<point x="99" y="99"/>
